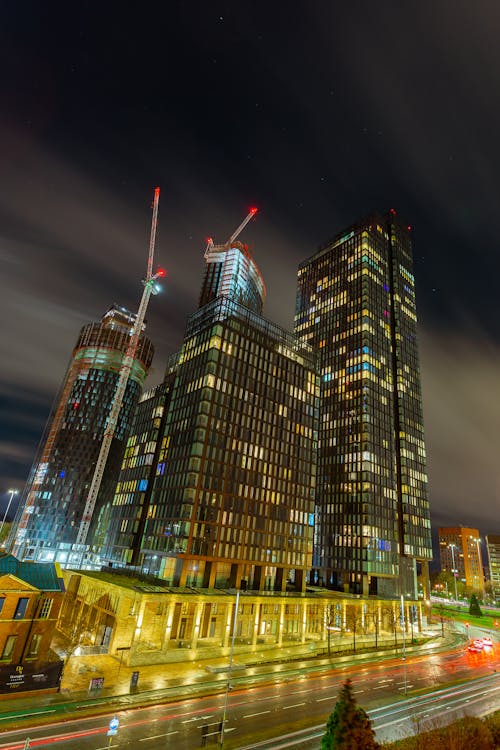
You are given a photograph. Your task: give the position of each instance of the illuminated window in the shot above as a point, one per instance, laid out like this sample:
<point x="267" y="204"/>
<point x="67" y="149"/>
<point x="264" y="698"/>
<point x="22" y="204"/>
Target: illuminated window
<point x="9" y="646"/>
<point x="45" y="609"/>
<point x="34" y="646"/>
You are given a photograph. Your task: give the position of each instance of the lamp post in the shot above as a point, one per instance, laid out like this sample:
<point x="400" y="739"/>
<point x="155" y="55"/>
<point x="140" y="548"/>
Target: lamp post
<point x="403" y="626"/>
<point x="228" y="683"/>
<point x="12" y="493"/>
<point x="453" y="547"/>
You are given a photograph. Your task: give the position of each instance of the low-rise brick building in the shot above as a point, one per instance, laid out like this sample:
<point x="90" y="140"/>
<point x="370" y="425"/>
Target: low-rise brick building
<point x="30" y="600"/>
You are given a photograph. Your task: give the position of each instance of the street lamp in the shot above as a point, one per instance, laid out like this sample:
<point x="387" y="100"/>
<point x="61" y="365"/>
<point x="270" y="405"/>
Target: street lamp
<point x="230" y="670"/>
<point x="12" y="493"/>
<point x="453" y="547"/>
<point x="403" y="626"/>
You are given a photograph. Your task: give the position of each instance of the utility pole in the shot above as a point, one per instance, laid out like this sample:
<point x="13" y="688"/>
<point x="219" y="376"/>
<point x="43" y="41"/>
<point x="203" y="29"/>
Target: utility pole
<point x="228" y="683"/>
<point x="403" y="627"/>
<point x="150" y="287"/>
<point x="12" y="493"/>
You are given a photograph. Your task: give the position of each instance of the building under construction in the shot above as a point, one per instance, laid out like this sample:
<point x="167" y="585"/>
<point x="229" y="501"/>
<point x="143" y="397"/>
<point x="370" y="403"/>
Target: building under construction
<point x="56" y="494"/>
<point x="228" y="500"/>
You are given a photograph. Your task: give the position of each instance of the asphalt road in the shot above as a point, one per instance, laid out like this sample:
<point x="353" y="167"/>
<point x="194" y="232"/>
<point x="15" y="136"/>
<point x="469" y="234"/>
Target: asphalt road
<point x="386" y="689"/>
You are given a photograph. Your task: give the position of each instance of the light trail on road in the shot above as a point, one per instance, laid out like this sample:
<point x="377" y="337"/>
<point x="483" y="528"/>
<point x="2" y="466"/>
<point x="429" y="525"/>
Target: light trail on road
<point x="179" y="724"/>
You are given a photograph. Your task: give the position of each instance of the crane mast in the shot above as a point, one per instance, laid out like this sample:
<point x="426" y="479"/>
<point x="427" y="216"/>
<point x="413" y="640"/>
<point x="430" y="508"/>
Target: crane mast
<point x="150" y="287"/>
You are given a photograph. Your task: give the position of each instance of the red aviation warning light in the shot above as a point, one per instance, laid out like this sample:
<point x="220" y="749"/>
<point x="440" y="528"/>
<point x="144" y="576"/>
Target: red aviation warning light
<point x="253" y="210"/>
<point x="160" y="272"/>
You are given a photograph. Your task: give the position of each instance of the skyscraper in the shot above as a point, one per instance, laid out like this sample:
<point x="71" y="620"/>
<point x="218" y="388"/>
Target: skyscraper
<point x="232" y="272"/>
<point x="55" y="495"/>
<point x="118" y="536"/>
<point x="232" y="502"/>
<point x="356" y="305"/>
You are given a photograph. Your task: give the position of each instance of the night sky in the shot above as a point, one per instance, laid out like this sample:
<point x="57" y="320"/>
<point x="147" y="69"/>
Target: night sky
<point x="317" y="113"/>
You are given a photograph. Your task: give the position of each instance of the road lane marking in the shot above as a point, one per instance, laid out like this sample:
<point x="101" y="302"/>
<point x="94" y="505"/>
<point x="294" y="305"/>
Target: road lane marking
<point x="188" y="721"/>
<point x="295" y="705"/>
<point x="250" y="716"/>
<point x="34" y="713"/>
<point x="155" y="737"/>
<point x="330" y="698"/>
<point x="91" y="705"/>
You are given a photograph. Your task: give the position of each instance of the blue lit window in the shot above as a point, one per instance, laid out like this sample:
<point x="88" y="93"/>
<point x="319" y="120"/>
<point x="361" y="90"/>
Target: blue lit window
<point x="143" y="485"/>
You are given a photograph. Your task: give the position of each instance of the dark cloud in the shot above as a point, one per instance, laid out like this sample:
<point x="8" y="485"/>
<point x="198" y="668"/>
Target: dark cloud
<point x="462" y="417"/>
<point x="318" y="115"/>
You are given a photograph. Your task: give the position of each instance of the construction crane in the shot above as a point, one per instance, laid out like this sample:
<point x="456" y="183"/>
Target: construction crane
<point x="150" y="287"/>
<point x="225" y="245"/>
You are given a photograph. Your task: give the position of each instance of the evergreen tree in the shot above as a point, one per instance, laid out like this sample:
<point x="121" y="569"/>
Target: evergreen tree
<point x="348" y="727"/>
<point x="474" y="608"/>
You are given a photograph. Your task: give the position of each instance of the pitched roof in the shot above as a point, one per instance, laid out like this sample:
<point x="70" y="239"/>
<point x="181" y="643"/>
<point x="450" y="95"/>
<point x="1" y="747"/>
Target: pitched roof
<point x="43" y="576"/>
<point x="9" y="582"/>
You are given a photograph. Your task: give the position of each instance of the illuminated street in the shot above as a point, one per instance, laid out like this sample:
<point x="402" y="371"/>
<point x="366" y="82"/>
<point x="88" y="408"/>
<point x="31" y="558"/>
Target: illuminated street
<point x="290" y="705"/>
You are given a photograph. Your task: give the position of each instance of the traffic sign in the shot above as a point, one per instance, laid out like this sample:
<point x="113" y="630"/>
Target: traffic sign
<point x="114" y="724"/>
<point x="112" y="732"/>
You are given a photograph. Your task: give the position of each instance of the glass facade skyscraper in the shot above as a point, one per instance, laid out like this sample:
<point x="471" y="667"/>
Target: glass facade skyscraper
<point x="232" y="502"/>
<point x="356" y="305"/>
<point x="231" y="271"/>
<point x="56" y="493"/>
<point x="118" y="536"/>
<point x="217" y="481"/>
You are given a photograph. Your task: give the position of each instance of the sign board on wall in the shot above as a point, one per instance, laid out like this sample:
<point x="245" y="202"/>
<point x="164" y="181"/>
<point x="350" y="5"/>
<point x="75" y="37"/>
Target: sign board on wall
<point x="20" y="678"/>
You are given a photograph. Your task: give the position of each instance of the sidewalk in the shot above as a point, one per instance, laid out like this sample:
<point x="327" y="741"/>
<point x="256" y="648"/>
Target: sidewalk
<point x="171" y="681"/>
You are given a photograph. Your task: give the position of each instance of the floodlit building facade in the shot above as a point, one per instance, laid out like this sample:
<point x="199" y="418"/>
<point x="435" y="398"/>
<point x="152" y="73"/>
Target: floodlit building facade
<point x="54" y="499"/>
<point x="356" y="305"/>
<point x="144" y="621"/>
<point x="460" y="553"/>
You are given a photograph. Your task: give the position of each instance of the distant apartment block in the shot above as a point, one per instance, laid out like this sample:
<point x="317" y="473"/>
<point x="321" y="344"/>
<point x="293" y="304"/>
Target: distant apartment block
<point x="460" y="553"/>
